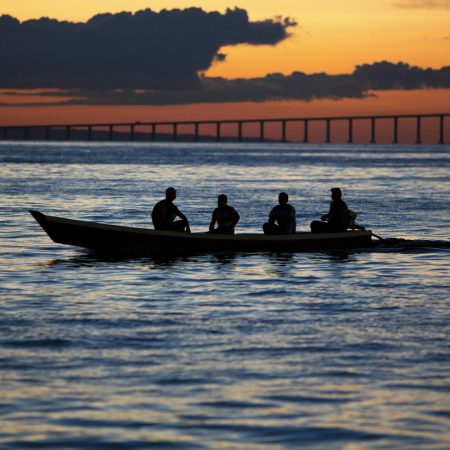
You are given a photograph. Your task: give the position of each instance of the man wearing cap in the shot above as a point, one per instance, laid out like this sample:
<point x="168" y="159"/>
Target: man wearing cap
<point x="337" y="219"/>
<point x="165" y="212"/>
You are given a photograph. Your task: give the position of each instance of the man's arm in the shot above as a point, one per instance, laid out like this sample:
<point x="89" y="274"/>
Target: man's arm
<point x="178" y="213"/>
<point x="344" y="215"/>
<point x="182" y="217"/>
<point x="156" y="215"/>
<point x="292" y="221"/>
<point x="272" y="216"/>
<point x="236" y="217"/>
<point x="326" y="217"/>
<point x="213" y="221"/>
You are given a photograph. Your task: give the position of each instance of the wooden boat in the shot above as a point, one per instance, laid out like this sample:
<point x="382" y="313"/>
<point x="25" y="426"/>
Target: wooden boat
<point x="114" y="239"/>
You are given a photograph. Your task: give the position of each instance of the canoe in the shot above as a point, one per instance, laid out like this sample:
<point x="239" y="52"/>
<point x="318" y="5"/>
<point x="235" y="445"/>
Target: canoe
<point x="121" y="240"/>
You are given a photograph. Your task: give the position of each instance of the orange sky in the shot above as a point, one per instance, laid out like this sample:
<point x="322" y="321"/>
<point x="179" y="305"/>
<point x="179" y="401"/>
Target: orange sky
<point x="384" y="102"/>
<point x="332" y="36"/>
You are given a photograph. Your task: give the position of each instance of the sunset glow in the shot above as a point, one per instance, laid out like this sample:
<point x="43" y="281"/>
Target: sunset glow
<point x="330" y="37"/>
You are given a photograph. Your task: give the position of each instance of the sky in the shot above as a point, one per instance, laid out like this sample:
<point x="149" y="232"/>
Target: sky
<point x="188" y="63"/>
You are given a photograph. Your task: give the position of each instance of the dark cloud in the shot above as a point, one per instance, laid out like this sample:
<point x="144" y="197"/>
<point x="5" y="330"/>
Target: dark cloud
<point x="145" y="50"/>
<point x="423" y="4"/>
<point x="297" y="86"/>
<point x="385" y="75"/>
<point x="151" y="58"/>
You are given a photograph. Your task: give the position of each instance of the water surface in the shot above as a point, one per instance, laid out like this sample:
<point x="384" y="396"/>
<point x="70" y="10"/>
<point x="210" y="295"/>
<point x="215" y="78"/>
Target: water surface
<point x="248" y="351"/>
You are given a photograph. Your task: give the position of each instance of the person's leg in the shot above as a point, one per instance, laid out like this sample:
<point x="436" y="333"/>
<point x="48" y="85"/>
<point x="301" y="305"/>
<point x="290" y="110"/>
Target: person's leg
<point x="225" y="230"/>
<point x="317" y="226"/>
<point x="222" y="231"/>
<point x="178" y="225"/>
<point x="271" y="228"/>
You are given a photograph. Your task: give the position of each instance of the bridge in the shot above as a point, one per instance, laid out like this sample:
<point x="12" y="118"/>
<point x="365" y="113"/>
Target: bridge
<point x="212" y="130"/>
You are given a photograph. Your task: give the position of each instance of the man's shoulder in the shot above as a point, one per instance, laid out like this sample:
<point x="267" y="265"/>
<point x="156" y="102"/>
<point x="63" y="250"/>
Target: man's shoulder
<point x="287" y="207"/>
<point x="159" y="204"/>
<point x="164" y="203"/>
<point x="339" y="204"/>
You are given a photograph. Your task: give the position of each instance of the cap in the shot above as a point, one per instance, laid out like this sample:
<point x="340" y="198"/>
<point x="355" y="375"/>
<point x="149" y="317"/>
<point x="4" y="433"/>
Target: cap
<point x="335" y="189"/>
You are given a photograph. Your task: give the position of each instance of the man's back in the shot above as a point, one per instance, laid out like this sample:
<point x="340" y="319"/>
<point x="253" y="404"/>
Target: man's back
<point x="283" y="212"/>
<point x="225" y="215"/>
<point x="285" y="216"/>
<point x="163" y="214"/>
<point x="338" y="216"/>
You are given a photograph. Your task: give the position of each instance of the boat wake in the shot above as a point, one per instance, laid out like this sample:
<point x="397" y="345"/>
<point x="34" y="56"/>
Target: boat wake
<point x="410" y="244"/>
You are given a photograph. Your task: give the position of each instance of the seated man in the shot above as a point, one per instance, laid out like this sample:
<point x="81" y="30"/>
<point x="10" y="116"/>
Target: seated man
<point x="225" y="216"/>
<point x="284" y="215"/>
<point x="338" y="217"/>
<point x="164" y="213"/>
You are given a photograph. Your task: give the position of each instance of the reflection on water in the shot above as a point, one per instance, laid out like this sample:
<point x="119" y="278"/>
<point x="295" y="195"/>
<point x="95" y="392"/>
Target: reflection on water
<point x="334" y="349"/>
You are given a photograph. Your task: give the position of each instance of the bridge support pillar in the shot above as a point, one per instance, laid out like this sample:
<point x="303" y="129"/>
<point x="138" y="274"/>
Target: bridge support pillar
<point x="196" y="132"/>
<point x="441" y="129"/>
<point x="372" y="130"/>
<point x="175" y="132"/>
<point x="350" y="131"/>
<point x="305" y="131"/>
<point x="328" y="131"/>
<point x="395" y="140"/>
<point x="218" y="131"/>
<point x="419" y="131"/>
<point x="240" y="131"/>
<point x="261" y="131"/>
<point x="283" y="131"/>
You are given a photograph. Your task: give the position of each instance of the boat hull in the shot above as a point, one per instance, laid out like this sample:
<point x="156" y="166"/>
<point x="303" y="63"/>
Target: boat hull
<point x="115" y="239"/>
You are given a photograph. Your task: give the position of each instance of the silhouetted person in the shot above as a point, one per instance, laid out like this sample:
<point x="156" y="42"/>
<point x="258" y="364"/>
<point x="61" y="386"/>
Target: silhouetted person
<point x="165" y="212"/>
<point x="337" y="219"/>
<point x="281" y="218"/>
<point x="225" y="216"/>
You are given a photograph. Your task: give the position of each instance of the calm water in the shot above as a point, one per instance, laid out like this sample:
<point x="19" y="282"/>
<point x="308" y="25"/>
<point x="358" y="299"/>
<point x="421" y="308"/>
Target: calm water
<point x="323" y="350"/>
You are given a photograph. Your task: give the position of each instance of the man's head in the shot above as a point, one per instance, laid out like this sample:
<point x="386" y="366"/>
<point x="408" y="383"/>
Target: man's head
<point x="283" y="198"/>
<point x="222" y="200"/>
<point x="171" y="193"/>
<point x="336" y="193"/>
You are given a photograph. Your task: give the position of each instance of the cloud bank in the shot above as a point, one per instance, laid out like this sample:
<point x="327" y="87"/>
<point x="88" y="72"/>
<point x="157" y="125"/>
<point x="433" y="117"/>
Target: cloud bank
<point x="145" y="50"/>
<point x="156" y="58"/>
<point x="296" y="86"/>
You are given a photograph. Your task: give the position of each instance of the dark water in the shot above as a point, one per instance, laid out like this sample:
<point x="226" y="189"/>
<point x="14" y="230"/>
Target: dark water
<point x="318" y="350"/>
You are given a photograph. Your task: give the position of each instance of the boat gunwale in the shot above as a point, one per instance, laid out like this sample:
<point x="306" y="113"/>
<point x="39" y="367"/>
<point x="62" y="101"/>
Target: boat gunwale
<point x="301" y="236"/>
